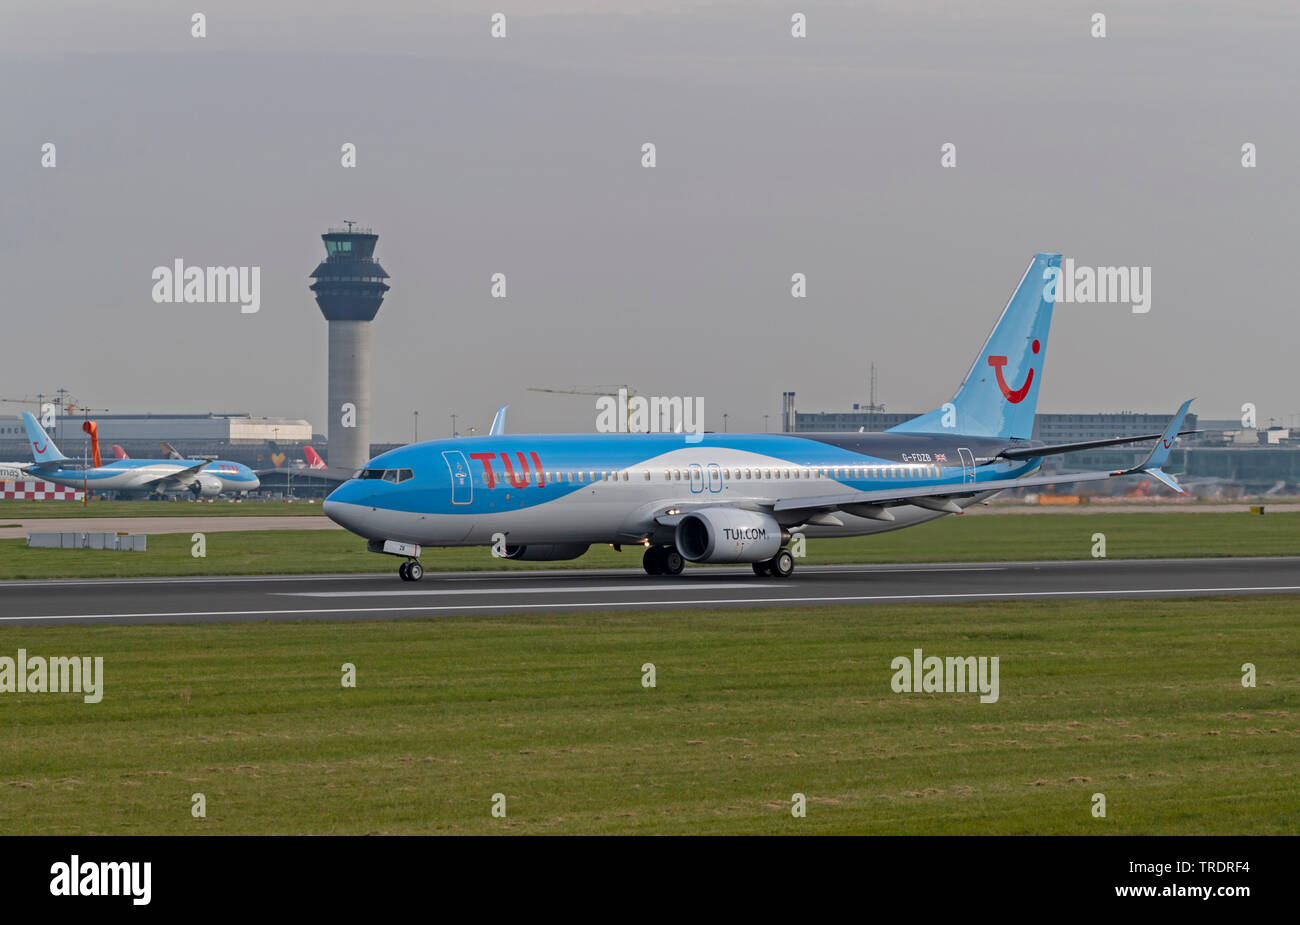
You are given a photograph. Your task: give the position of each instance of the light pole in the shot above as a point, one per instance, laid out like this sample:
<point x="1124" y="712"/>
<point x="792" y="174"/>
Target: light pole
<point x="765" y="423"/>
<point x="416" y="414"/>
<point x="453" y="425"/>
<point x="724" y="422"/>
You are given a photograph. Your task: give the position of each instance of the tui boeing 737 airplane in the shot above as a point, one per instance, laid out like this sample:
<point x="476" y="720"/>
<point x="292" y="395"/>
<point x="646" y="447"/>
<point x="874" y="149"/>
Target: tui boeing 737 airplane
<point x="204" y="478"/>
<point x="730" y="498"/>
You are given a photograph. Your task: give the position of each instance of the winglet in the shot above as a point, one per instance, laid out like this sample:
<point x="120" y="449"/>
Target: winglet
<point x="43" y="448"/>
<point x="1159" y="454"/>
<point x="499" y="422"/>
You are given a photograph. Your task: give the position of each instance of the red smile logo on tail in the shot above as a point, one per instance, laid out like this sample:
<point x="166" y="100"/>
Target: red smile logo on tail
<point x="1015" y="396"/>
<point x="37" y="447"/>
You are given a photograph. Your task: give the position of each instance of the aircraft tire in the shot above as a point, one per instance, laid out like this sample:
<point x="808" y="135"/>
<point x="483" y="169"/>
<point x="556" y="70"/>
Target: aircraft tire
<point x="652" y="561"/>
<point x="781" y="565"/>
<point x="672" y="561"/>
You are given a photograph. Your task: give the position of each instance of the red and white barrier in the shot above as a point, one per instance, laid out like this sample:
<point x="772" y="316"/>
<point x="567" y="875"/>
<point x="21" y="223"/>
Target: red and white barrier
<point x="32" y="490"/>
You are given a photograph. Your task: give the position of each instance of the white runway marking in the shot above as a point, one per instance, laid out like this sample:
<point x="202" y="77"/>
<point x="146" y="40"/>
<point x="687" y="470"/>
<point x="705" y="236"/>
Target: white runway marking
<point x="429" y="608"/>
<point x="468" y="592"/>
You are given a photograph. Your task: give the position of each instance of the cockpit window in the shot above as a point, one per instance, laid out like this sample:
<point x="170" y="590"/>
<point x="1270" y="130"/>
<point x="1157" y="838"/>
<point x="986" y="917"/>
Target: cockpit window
<point x="386" y="475"/>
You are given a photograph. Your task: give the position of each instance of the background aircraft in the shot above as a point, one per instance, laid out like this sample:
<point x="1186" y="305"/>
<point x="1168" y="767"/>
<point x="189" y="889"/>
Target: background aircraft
<point x="204" y="478"/>
<point x="729" y="497"/>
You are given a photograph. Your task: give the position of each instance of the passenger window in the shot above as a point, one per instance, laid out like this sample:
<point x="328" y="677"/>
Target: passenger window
<point x="581" y="477"/>
<point x="647" y="474"/>
<point x="677" y="474"/>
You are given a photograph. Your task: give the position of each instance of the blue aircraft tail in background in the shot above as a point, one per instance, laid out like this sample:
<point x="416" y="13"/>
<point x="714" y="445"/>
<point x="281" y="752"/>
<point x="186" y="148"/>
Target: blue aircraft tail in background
<point x="43" y="448"/>
<point x="999" y="395"/>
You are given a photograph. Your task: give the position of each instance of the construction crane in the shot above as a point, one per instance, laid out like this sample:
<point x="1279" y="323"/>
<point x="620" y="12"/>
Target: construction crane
<point x="599" y="391"/>
<point x="592" y="390"/>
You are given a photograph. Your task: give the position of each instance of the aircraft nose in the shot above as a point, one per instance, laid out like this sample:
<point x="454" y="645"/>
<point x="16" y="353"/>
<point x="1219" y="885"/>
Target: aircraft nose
<point x="348" y="516"/>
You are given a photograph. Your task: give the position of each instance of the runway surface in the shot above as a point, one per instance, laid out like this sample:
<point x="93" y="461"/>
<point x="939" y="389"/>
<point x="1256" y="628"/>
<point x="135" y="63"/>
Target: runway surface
<point x="362" y="597"/>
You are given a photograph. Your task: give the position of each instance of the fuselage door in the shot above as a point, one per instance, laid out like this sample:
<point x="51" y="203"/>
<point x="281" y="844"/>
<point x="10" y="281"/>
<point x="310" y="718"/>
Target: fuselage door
<point x="967" y="465"/>
<point x="462" y="484"/>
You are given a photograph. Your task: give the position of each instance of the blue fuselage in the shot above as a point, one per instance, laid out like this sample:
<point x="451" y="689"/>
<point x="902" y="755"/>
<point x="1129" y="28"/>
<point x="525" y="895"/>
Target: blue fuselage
<point x="608" y="488"/>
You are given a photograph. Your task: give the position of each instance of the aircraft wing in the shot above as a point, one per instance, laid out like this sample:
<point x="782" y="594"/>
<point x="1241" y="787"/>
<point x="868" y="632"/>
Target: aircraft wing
<point x="939" y="498"/>
<point x="1029" y="452"/>
<point x="178" y="474"/>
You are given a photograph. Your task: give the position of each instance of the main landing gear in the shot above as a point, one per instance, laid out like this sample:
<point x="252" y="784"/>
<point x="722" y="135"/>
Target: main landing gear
<point x="779" y="566"/>
<point x="666" y="560"/>
<point x="662" y="560"/>
<point x="411" y="570"/>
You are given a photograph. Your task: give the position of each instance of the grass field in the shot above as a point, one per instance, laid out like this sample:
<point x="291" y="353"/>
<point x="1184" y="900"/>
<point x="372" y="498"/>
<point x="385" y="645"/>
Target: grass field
<point x="11" y="511"/>
<point x="1141" y="701"/>
<point x="951" y="539"/>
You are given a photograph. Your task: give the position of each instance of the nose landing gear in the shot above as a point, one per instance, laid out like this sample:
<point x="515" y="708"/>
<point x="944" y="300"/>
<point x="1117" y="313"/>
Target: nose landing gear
<point x="411" y="570"/>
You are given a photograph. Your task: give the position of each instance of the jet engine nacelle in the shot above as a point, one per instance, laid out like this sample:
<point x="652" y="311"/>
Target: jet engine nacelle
<point x="547" y="552"/>
<point x="728" y="534"/>
<point x="205" y="486"/>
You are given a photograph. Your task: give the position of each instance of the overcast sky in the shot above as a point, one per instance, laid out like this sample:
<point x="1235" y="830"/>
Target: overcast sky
<point x="523" y="156"/>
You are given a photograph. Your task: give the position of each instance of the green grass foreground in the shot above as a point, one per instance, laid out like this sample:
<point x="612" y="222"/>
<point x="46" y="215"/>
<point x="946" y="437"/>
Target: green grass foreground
<point x="950" y="539"/>
<point x="1141" y="701"/>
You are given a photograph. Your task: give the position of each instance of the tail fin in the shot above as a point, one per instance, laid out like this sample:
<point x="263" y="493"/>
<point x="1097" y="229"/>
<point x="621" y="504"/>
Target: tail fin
<point x="313" y="458"/>
<point x="119" y="453"/>
<point x="999" y="395"/>
<point x="43" y="448"/>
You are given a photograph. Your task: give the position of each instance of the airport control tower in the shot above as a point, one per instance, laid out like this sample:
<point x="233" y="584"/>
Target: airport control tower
<point x="349" y="289"/>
